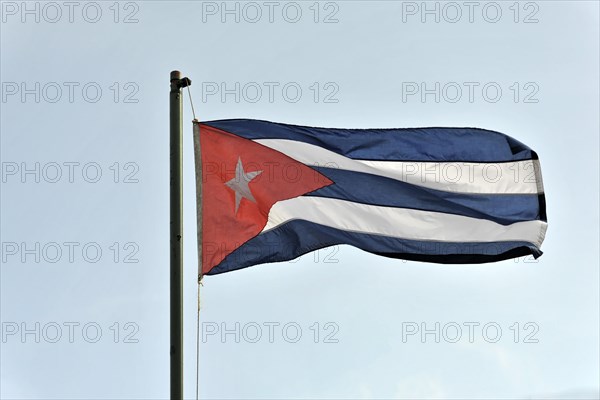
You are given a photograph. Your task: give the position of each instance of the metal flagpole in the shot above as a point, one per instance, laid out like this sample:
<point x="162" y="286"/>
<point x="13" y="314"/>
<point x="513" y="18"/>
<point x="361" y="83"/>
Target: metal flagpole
<point x="176" y="231"/>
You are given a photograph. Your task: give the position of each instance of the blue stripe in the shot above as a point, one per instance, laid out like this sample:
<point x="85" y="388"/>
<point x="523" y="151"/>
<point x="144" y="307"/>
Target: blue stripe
<point x="418" y="144"/>
<point x="297" y="237"/>
<point x="365" y="188"/>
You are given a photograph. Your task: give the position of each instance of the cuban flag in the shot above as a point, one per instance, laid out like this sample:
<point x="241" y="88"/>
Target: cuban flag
<point x="271" y="192"/>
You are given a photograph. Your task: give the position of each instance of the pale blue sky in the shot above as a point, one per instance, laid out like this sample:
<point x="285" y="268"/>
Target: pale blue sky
<point x="363" y="58"/>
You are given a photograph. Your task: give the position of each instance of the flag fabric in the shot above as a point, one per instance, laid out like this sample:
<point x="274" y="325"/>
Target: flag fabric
<point x="272" y="192"/>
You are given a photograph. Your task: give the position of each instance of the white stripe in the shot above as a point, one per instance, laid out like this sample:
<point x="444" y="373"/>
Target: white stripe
<point x="401" y="222"/>
<point x="518" y="177"/>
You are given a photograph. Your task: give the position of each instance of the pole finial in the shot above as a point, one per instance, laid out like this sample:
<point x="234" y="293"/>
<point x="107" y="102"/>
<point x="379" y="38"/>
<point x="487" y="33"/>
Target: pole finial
<point x="177" y="82"/>
<point x="175" y="75"/>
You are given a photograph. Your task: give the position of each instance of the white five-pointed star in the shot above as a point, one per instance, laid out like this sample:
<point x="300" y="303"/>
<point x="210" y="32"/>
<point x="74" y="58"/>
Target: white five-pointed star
<point x="239" y="184"/>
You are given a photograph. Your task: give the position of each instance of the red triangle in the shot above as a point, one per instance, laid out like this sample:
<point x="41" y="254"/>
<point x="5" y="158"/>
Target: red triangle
<point x="224" y="230"/>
